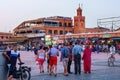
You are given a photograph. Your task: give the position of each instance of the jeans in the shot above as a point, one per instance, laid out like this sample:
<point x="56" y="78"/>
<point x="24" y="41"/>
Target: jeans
<point x="77" y="63"/>
<point x="69" y="65"/>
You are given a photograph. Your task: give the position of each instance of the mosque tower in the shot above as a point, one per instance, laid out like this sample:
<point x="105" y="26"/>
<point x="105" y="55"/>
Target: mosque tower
<point x="79" y="22"/>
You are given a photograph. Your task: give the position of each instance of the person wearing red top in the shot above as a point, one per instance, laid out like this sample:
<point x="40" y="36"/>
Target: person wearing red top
<point x="87" y="59"/>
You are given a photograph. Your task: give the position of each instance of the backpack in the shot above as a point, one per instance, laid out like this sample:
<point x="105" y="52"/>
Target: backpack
<point x="66" y="52"/>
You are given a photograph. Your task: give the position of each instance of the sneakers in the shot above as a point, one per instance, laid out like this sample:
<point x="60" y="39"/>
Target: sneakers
<point x="51" y="74"/>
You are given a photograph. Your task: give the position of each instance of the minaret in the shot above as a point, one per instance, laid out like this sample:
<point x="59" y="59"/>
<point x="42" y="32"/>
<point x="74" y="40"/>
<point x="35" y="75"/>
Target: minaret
<point x="79" y="11"/>
<point x="79" y="22"/>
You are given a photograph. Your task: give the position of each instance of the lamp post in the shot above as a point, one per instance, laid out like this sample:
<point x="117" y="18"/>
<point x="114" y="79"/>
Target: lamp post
<point x="98" y="25"/>
<point x="64" y="30"/>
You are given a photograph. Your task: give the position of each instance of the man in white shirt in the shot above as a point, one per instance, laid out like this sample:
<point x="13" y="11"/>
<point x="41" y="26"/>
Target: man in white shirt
<point x="112" y="51"/>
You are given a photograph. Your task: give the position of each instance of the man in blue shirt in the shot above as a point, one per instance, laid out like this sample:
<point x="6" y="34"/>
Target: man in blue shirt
<point x="64" y="57"/>
<point x="77" y="50"/>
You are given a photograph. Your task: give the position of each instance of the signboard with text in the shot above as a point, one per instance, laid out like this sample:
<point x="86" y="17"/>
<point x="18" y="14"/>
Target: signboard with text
<point x="35" y="35"/>
<point x="48" y="40"/>
<point x="106" y="36"/>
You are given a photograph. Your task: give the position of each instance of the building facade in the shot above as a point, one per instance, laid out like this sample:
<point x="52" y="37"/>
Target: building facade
<point x="5" y="36"/>
<point x="59" y="26"/>
<point x="56" y="25"/>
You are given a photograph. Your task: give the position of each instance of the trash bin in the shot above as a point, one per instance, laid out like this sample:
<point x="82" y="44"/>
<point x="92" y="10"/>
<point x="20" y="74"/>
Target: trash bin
<point x="3" y="67"/>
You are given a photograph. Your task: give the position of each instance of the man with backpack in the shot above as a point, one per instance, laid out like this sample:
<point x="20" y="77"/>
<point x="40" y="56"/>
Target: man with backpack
<point x="64" y="58"/>
<point x="53" y="53"/>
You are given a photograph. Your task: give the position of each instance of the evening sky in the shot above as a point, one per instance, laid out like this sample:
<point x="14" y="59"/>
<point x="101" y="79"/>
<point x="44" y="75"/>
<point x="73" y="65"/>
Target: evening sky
<point x="14" y="12"/>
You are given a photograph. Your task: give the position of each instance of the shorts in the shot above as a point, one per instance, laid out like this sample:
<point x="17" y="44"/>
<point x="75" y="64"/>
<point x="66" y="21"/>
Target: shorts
<point x="12" y="71"/>
<point x="65" y="61"/>
<point x="53" y="61"/>
<point x="40" y="61"/>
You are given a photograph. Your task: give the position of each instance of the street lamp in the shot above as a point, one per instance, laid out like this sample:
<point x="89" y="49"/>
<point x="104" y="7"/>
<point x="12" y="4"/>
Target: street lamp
<point x="64" y="29"/>
<point x="98" y="25"/>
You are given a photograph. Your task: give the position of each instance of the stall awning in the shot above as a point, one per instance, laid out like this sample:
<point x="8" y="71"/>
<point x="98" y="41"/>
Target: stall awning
<point x="94" y="38"/>
<point x="116" y="38"/>
<point x="82" y="38"/>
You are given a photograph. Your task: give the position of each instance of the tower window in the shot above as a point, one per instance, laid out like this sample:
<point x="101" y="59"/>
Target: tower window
<point x="76" y="24"/>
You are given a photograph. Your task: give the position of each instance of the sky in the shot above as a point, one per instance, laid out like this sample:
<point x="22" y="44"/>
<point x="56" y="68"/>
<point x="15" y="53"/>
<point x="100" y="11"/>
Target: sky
<point x="14" y="12"/>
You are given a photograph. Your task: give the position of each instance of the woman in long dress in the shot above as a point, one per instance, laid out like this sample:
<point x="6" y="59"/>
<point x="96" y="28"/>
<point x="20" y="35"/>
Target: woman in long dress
<point x="87" y="59"/>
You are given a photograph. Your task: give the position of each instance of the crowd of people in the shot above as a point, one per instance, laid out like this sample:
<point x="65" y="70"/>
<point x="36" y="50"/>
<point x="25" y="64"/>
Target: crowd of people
<point x="105" y="48"/>
<point x="67" y="53"/>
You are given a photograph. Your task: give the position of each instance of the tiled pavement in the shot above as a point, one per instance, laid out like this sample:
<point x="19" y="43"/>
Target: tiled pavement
<point x="100" y="70"/>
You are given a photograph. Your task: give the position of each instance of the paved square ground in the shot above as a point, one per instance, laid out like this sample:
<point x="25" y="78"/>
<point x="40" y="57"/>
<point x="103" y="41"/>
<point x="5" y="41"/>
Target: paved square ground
<point x="100" y="69"/>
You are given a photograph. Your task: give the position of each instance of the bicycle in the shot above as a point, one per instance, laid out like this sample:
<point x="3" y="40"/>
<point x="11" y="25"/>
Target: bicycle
<point x="22" y="73"/>
<point x="118" y="51"/>
<point x="111" y="59"/>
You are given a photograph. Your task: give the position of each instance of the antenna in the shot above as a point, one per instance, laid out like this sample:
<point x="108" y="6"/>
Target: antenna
<point x="81" y="6"/>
